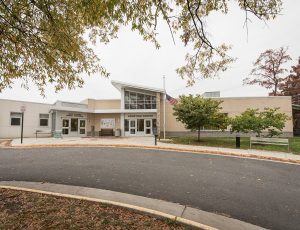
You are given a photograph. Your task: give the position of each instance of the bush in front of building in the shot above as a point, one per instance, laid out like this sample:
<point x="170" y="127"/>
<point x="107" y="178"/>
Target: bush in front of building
<point x="255" y="121"/>
<point x="196" y="112"/>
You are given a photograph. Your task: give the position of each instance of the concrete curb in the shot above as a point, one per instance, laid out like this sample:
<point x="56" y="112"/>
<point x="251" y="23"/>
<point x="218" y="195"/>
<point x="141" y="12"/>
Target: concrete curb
<point x="186" y="215"/>
<point x="202" y="151"/>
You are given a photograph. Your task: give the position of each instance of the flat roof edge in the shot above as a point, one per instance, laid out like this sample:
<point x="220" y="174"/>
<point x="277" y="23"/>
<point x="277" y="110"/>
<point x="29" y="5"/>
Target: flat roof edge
<point x="137" y="86"/>
<point x="250" y="97"/>
<point x="21" y="101"/>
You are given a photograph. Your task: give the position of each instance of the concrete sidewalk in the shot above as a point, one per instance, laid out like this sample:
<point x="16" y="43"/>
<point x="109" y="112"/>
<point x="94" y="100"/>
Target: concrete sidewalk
<point x="177" y="212"/>
<point x="84" y="141"/>
<point x="148" y="142"/>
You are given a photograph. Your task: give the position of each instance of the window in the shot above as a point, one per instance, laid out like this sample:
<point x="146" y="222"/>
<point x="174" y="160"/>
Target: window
<point x="74" y="124"/>
<point x="66" y="123"/>
<point x="82" y="131"/>
<point x="212" y="127"/>
<point x="126" y="125"/>
<point x="140" y="125"/>
<point x="135" y="100"/>
<point x="153" y="102"/>
<point x="209" y="128"/>
<point x="65" y="131"/>
<point x="154" y="123"/>
<point x="65" y="126"/>
<point x="44" y="119"/>
<point x="82" y="123"/>
<point x="15" y="119"/>
<point x="82" y="126"/>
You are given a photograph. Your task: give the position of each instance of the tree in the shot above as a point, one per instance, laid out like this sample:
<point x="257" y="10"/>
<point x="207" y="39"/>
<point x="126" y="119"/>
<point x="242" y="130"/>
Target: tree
<point x="44" y="41"/>
<point x="254" y="121"/>
<point x="268" y="70"/>
<point x="274" y="121"/>
<point x="291" y="87"/>
<point x="197" y="112"/>
<point x="249" y="121"/>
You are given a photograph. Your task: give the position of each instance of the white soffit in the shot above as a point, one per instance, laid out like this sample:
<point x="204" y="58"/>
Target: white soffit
<point x="119" y="85"/>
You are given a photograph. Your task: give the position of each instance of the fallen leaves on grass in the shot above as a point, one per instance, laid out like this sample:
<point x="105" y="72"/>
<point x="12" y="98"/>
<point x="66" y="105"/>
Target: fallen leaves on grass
<point x="26" y="210"/>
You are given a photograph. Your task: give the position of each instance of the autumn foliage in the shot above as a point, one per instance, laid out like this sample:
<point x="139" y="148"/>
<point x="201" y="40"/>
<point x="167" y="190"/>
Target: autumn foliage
<point x="291" y="87"/>
<point x="269" y="71"/>
<point x="51" y="41"/>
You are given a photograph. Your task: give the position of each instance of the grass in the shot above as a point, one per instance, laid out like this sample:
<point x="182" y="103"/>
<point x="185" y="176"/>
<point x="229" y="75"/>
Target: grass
<point x="26" y="210"/>
<point x="229" y="142"/>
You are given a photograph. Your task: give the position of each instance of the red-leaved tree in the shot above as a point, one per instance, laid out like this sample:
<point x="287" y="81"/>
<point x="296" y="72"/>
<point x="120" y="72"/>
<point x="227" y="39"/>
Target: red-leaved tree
<point x="291" y="87"/>
<point x="268" y="70"/>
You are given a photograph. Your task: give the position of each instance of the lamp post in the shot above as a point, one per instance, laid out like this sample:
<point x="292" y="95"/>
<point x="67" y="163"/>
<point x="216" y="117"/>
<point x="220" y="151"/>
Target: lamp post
<point x="164" y="81"/>
<point x="23" y="108"/>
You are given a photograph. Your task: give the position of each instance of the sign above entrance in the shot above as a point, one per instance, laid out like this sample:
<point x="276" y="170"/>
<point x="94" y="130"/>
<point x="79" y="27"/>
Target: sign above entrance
<point x="107" y="123"/>
<point x="140" y="116"/>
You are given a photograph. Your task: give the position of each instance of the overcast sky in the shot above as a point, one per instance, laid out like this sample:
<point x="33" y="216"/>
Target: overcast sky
<point x="133" y="60"/>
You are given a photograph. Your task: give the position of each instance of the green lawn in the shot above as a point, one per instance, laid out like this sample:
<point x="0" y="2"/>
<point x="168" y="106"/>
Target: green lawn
<point x="229" y="142"/>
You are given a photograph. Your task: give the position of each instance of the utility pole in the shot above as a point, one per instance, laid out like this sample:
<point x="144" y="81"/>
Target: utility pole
<point x="164" y="82"/>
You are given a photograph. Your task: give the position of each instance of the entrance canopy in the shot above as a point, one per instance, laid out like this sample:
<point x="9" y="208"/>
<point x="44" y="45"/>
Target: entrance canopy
<point x="83" y="108"/>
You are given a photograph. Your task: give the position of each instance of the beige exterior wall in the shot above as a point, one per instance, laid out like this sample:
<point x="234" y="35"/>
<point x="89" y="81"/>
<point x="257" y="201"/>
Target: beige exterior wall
<point x="103" y="104"/>
<point x="234" y="106"/>
<point x="94" y="120"/>
<point x="31" y="118"/>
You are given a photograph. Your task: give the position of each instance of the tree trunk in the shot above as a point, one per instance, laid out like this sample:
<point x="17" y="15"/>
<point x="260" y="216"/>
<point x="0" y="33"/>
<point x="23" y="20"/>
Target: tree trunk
<point x="199" y="134"/>
<point x="275" y="89"/>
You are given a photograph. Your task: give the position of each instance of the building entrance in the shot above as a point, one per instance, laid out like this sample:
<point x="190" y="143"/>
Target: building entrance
<point x="139" y="127"/>
<point x="74" y="126"/>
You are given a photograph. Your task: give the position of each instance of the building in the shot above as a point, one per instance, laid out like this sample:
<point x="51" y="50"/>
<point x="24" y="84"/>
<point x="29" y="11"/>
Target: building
<point x="136" y="113"/>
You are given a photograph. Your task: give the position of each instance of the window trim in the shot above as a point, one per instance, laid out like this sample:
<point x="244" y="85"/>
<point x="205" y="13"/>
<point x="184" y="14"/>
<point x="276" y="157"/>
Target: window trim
<point x="44" y="119"/>
<point x="10" y="116"/>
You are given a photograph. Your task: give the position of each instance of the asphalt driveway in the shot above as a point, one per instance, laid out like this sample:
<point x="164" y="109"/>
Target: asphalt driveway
<point x="259" y="192"/>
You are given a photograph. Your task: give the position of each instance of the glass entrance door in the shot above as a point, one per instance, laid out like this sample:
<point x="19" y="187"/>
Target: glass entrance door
<point x="140" y="127"/>
<point x="74" y="126"/>
<point x="132" y="127"/>
<point x="65" y="126"/>
<point x="148" y="126"/>
<point x="82" y="126"/>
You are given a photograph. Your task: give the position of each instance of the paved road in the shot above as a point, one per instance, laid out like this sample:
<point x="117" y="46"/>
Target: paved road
<point x="259" y="192"/>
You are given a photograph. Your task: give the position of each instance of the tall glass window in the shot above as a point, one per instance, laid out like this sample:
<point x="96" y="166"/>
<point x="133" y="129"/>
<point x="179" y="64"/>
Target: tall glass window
<point x="135" y="100"/>
<point x="126" y="125"/>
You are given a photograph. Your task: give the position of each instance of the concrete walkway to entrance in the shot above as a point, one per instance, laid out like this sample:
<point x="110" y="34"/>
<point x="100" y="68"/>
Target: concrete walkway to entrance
<point x="142" y="141"/>
<point x="148" y="142"/>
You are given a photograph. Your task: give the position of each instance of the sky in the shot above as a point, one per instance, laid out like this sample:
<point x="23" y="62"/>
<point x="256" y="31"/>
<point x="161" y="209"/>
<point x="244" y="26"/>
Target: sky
<point x="130" y="59"/>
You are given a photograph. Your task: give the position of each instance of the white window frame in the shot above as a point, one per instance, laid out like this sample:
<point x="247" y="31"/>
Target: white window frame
<point x="66" y="127"/>
<point x="15" y="116"/>
<point x="44" y="119"/>
<point x="152" y="103"/>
